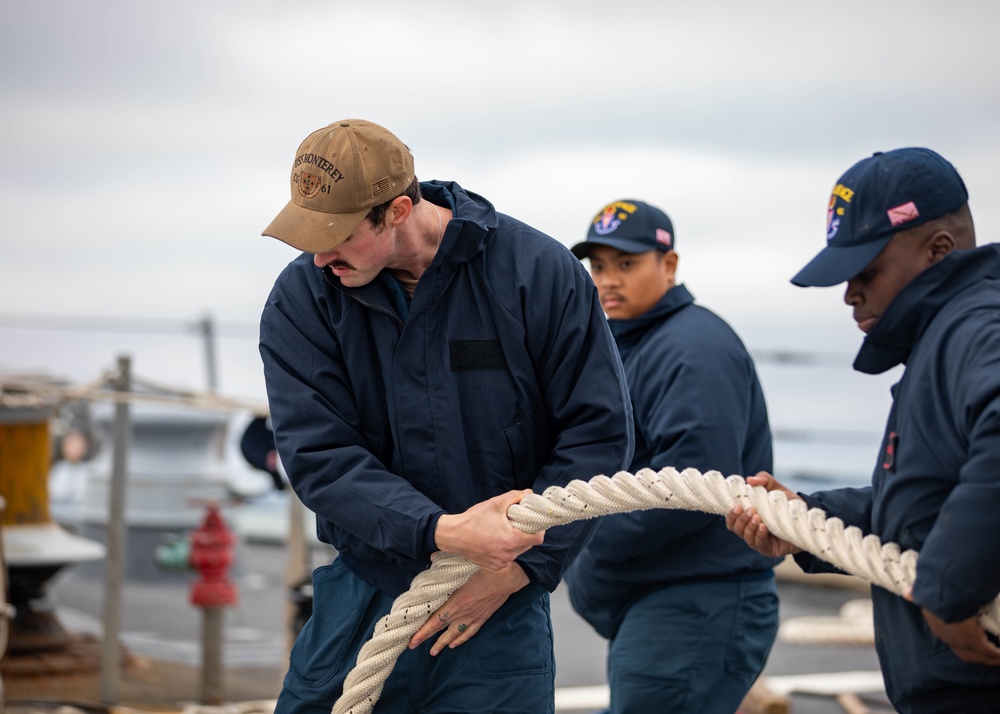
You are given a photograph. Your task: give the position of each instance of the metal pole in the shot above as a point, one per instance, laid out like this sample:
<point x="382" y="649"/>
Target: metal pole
<point x="114" y="566"/>
<point x="6" y="615"/>
<point x="211" y="648"/>
<point x="208" y="334"/>
<point x="299" y="558"/>
<point x="297" y="568"/>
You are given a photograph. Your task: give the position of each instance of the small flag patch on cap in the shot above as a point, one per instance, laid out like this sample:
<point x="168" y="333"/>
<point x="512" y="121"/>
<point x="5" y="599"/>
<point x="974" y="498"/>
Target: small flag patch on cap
<point x="903" y="214"/>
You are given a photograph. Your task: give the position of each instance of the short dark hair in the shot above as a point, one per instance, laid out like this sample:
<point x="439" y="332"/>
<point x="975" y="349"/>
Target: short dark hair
<point x="377" y="215"/>
<point x="958" y="222"/>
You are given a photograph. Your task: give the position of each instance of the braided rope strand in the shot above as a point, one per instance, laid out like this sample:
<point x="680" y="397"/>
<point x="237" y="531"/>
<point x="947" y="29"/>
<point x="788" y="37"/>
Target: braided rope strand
<point x="846" y="548"/>
<point x="429" y="591"/>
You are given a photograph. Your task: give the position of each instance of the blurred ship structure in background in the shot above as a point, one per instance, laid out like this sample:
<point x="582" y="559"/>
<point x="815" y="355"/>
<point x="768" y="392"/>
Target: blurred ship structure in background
<point x="56" y="464"/>
<point x="35" y="547"/>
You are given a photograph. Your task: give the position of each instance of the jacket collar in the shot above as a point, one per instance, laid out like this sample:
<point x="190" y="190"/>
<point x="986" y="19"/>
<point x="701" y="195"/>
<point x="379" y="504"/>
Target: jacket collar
<point x="673" y="300"/>
<point x="474" y="216"/>
<point x="908" y="315"/>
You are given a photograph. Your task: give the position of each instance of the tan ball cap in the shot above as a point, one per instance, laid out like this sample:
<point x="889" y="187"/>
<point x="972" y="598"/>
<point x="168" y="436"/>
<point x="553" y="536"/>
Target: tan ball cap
<point x="340" y="173"/>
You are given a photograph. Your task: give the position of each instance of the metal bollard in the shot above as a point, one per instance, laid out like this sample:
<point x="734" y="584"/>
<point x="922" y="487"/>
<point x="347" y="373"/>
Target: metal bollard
<point x="212" y="556"/>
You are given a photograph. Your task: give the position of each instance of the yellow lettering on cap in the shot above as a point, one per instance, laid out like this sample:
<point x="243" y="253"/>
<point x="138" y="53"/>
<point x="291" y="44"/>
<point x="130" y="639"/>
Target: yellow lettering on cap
<point x="843" y="192"/>
<point x="617" y="207"/>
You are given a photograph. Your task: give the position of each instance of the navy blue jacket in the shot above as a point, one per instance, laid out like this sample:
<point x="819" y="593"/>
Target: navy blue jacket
<point x="697" y="403"/>
<point x="500" y="374"/>
<point x="937" y="489"/>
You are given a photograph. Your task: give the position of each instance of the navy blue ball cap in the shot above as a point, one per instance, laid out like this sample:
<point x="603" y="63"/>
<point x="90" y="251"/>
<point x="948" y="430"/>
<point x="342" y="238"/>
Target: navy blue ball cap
<point x="630" y="226"/>
<point x="878" y="197"/>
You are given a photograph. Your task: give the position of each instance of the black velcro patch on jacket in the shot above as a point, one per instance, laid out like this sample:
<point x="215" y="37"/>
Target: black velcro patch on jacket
<point x="476" y="354"/>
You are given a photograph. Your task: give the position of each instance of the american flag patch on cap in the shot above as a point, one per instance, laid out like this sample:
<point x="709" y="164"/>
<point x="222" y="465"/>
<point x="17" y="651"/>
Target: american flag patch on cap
<point x="902" y="214"/>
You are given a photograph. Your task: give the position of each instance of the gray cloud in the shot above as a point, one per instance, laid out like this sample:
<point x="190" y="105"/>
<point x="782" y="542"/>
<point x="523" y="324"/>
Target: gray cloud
<point x="146" y="145"/>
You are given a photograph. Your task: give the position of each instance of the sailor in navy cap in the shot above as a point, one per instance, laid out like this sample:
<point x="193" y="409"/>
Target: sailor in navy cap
<point x="900" y="235"/>
<point x="689" y="611"/>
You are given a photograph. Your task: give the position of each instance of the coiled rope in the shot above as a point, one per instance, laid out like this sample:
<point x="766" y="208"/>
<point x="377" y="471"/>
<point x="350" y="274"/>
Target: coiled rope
<point x="853" y="625"/>
<point x="867" y="557"/>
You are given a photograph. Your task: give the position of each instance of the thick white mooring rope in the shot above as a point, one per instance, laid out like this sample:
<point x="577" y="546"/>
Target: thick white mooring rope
<point x="853" y="625"/>
<point x="827" y="538"/>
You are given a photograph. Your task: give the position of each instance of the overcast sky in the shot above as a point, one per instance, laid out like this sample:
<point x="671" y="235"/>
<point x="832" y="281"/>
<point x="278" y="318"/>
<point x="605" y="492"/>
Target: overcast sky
<point x="146" y="145"/>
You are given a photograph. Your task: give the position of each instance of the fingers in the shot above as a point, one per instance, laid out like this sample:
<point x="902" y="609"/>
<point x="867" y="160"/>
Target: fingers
<point x="976" y="651"/>
<point x="438" y="621"/>
<point x="760" y="539"/>
<point x="732" y="520"/>
<point x="770" y="483"/>
<point x="453" y="636"/>
<point x="751" y="528"/>
<point x="762" y="478"/>
<point x="484" y="535"/>
<point x="527" y="541"/>
<point x="966" y="638"/>
<point x="990" y="654"/>
<point x="455" y="631"/>
<point x="469" y="608"/>
<point x="748" y="525"/>
<point x="740" y="521"/>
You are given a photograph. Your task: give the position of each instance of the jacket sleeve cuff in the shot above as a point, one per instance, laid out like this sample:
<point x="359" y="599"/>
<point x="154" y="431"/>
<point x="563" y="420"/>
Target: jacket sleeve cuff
<point x="430" y="545"/>
<point x="528" y="567"/>
<point x="928" y="592"/>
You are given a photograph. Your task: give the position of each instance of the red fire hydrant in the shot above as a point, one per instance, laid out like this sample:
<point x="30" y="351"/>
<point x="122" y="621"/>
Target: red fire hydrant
<point x="212" y="555"/>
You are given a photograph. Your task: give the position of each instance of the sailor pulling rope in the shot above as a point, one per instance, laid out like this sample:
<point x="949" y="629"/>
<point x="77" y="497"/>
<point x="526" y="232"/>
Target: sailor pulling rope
<point x="826" y="538"/>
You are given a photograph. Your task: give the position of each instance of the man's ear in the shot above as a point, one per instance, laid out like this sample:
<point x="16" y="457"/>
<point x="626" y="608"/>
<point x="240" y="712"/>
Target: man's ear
<point x="940" y="244"/>
<point x="670" y="261"/>
<point x="399" y="210"/>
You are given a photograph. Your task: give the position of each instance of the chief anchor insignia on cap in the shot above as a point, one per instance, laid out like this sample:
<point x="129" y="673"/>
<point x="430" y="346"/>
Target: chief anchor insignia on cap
<point x="339" y="174"/>
<point x="875" y="199"/>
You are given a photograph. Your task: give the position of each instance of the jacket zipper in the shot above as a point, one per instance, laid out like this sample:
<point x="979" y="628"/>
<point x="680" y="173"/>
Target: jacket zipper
<point x="363" y="302"/>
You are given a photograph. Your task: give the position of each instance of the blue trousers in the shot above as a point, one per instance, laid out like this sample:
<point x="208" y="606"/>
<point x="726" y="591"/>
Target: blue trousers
<point x="507" y="668"/>
<point x="692" y="647"/>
